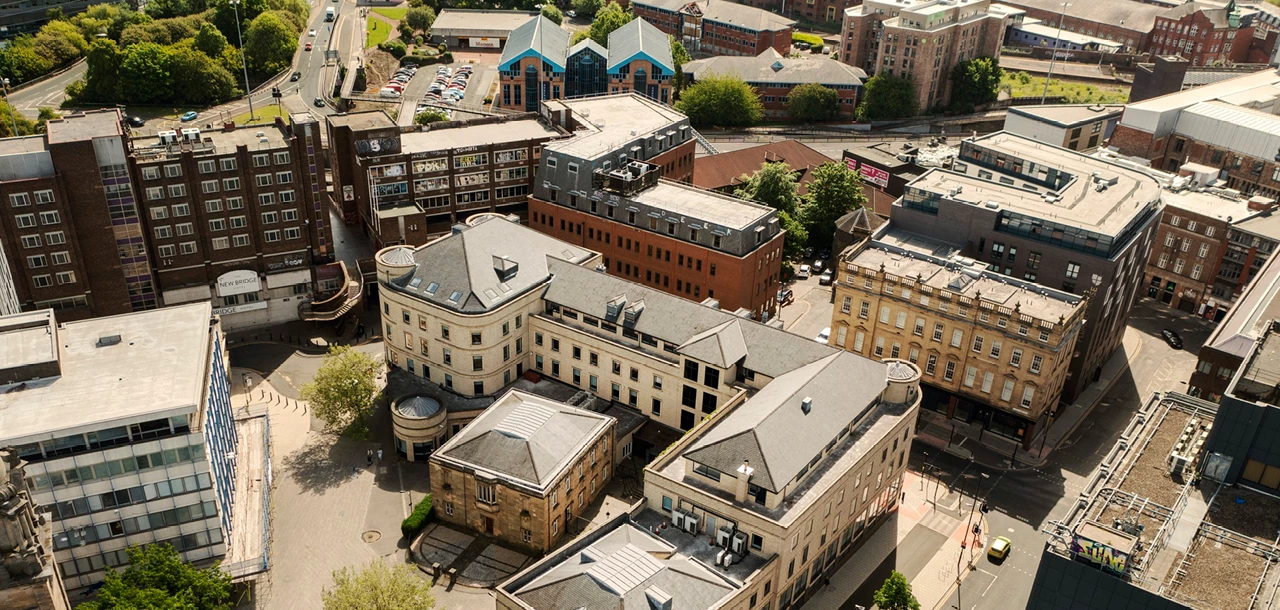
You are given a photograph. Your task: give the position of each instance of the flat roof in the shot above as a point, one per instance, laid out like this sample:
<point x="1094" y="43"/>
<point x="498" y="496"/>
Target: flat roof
<point x="1069" y="115"/>
<point x="1209" y="204"/>
<point x="455" y="22"/>
<point x="1156" y="115"/>
<point x="679" y="198"/>
<point x="26" y="338"/>
<point x="359" y="121"/>
<point x="22" y="144"/>
<point x="1034" y="26"/>
<point x="609" y="122"/>
<point x="1251" y="314"/>
<point x="159" y="368"/>
<point x="466" y="136"/>
<point x="1134" y="15"/>
<point x="85" y="126"/>
<point x="1261" y="225"/>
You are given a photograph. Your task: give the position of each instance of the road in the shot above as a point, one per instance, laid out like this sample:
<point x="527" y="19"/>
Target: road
<point x="46" y="93"/>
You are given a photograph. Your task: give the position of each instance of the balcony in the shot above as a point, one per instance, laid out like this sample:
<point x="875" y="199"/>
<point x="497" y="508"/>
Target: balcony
<point x="342" y="301"/>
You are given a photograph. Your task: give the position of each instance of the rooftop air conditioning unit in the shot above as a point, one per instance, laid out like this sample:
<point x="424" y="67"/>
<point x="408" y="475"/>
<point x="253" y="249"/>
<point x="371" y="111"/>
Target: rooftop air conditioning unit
<point x="740" y="543"/>
<point x="677" y="518"/>
<point x="1178" y="465"/>
<point x="691" y="524"/>
<point x="723" y="535"/>
<point x="168" y="137"/>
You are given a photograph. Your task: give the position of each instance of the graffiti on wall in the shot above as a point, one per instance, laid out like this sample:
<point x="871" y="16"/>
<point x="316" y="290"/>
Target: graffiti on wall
<point x="1109" y="559"/>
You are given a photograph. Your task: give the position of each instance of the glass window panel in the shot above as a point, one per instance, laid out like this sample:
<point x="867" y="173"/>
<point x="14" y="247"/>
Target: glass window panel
<point x="129" y="464"/>
<point x="162" y="488"/>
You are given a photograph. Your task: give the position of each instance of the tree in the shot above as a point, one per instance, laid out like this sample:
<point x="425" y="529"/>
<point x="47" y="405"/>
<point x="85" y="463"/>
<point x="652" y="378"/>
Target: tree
<point x="886" y="97"/>
<point x="210" y="41"/>
<point x="679" y="56"/>
<point x="101" y="82"/>
<point x="144" y="74"/>
<point x="157" y="578"/>
<point x="895" y="594"/>
<point x="813" y="102"/>
<point x="269" y="44"/>
<point x="975" y="82"/>
<point x="835" y="191"/>
<point x="224" y="15"/>
<point x="9" y="116"/>
<point x="60" y="42"/>
<point x="587" y="8"/>
<point x="420" y="18"/>
<point x="551" y="12"/>
<point x="608" y="19"/>
<point x="774" y="185"/>
<point x="46" y="114"/>
<point x="343" y="388"/>
<point x="430" y="116"/>
<point x="21" y="61"/>
<point x="109" y="19"/>
<point x="199" y="80"/>
<point x="797" y="237"/>
<point x="378" y="586"/>
<point x="721" y="100"/>
<point x="579" y="36"/>
<point x="298" y="8"/>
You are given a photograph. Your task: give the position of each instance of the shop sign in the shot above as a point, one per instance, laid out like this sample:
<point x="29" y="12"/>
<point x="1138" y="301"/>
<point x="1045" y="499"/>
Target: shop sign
<point x="240" y="281"/>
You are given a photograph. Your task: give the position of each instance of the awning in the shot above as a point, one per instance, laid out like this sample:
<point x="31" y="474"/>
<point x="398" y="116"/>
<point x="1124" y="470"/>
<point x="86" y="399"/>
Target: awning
<point x="289" y="278"/>
<point x="187" y="295"/>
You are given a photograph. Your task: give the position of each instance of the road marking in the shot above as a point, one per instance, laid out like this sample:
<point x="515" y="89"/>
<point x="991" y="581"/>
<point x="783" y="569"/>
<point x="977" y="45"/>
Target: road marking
<point x="993" y="581"/>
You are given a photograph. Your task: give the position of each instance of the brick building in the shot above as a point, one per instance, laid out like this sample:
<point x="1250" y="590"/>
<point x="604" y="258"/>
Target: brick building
<point x="718" y="27"/>
<point x="723" y="172"/>
<point x="921" y="40"/>
<point x="538" y="64"/>
<point x="407" y="188"/>
<point x="886" y="168"/>
<point x="1224" y="352"/>
<point x="1127" y="22"/>
<point x="774" y="76"/>
<point x="164" y="219"/>
<point x="615" y="187"/>
<point x="1204" y="33"/>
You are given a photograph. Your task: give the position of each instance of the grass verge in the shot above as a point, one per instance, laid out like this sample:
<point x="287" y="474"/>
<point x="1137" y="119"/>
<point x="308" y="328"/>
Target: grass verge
<point x="1021" y="84"/>
<point x="377" y="32"/>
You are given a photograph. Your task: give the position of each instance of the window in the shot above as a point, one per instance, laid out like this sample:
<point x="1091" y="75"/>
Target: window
<point x="1007" y="392"/>
<point x="862" y="310"/>
<point x="950" y="371"/>
<point x="228" y="164"/>
<point x="221" y="243"/>
<point x="173" y="170"/>
<point x="1036" y="361"/>
<point x="271" y="236"/>
<point x="217" y="224"/>
<point x="36" y="262"/>
<point x="31" y="241"/>
<point x="177" y="190"/>
<point x="957" y="337"/>
<point x="240" y="240"/>
<point x="25" y="220"/>
<point x="262" y="179"/>
<point x="995" y="349"/>
<point x="284" y="177"/>
<point x="1028" y="394"/>
<point x="230" y="184"/>
<point x="977" y="344"/>
<point x="486" y="493"/>
<point x="61" y="258"/>
<point x="1015" y="359"/>
<point x="159" y="212"/>
<point x="55" y="238"/>
<point x="937" y="331"/>
<point x="970" y="375"/>
<point x="49" y="218"/>
<point x="163" y="232"/>
<point x="931" y="365"/>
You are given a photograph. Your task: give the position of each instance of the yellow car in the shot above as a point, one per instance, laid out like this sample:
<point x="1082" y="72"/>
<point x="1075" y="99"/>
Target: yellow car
<point x="999" y="548"/>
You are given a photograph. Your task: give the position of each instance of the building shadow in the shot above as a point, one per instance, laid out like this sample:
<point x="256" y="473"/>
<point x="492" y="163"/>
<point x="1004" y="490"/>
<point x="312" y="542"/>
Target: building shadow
<point x="324" y="463"/>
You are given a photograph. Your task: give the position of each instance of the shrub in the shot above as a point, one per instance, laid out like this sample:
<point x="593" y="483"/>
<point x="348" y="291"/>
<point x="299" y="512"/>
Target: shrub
<point x="446" y="58"/>
<point x="417" y="39"/>
<point x="417" y="519"/>
<point x="813" y="39"/>
<point x="395" y="47"/>
<point x="442" y="47"/>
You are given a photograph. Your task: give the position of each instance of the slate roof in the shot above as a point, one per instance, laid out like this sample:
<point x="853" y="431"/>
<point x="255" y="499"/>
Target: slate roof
<point x="1219" y="16"/>
<point x="862" y="219"/>
<point x="640" y="37"/>
<point x="1136" y="16"/>
<point x="527" y="438"/>
<point x="722" y="170"/>
<point x="587" y="43"/>
<point x="728" y="12"/>
<point x="771" y="67"/>
<point x="540" y="35"/>
<point x="763" y="349"/>
<point x="623" y="570"/>
<point x="466" y="263"/>
<point x="772" y="431"/>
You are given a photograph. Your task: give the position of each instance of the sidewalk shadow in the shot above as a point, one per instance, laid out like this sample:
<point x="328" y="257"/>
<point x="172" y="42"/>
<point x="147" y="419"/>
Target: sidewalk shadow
<point x="324" y="463"/>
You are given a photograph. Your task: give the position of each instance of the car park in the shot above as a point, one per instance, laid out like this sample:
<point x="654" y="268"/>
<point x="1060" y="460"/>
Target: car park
<point x="823" y="335"/>
<point x="803" y="272"/>
<point x="189" y="116"/>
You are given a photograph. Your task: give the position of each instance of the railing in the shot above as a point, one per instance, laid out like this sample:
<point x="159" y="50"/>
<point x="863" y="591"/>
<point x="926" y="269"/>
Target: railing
<point x="337" y="305"/>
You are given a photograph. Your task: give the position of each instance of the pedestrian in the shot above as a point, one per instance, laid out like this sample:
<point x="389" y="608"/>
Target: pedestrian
<point x="368" y="458"/>
<point x="379" y="455"/>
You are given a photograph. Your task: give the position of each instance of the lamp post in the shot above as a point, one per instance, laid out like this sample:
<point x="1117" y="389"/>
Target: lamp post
<point x="13" y="120"/>
<point x="1052" y="58"/>
<point x="235" y="6"/>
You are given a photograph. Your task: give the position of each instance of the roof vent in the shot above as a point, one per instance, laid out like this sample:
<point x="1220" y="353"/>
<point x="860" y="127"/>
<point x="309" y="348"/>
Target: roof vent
<point x="505" y="267"/>
<point x="615" y="306"/>
<point x="108" y="340"/>
<point x="458" y="228"/>
<point x="806" y="405"/>
<point x="658" y="599"/>
<point x="777" y="65"/>
<point x="633" y="313"/>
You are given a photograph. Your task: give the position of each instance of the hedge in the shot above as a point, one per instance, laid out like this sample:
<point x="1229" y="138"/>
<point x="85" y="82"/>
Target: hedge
<point x="417" y="520"/>
<point x="812" y="39"/>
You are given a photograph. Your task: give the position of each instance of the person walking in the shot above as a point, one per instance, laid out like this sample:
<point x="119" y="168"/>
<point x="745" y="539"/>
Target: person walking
<point x="379" y="455"/>
<point x="368" y="457"/>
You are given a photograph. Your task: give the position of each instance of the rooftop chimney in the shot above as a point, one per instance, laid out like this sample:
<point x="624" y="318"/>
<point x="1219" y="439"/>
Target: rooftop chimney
<point x="743" y="483"/>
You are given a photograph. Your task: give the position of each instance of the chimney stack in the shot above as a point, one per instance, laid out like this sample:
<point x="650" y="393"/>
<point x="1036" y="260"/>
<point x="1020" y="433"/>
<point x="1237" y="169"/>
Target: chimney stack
<point x="744" y="481"/>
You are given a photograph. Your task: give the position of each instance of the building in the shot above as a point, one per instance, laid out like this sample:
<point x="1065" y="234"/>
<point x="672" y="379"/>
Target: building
<point x="993" y="350"/>
<point x="9" y="303"/>
<point x="29" y="577"/>
<point x="887" y="37"/>
<point x="1126" y="22"/>
<point x="1250" y="243"/>
<point x="538" y="64"/>
<point x="230" y="216"/>
<point x="1233" y="338"/>
<point x="506" y="472"/>
<point x="855" y="227"/>
<point x="718" y="28"/>
<point x="1171" y="74"/>
<point x="724" y="172"/>
<point x="773" y="76"/>
<point x="152" y="461"/>
<point x="20" y="17"/>
<point x="1246" y="430"/>
<point x="1080" y="127"/>
<point x="460" y="28"/>
<point x="887" y="168"/>
<point x="1206" y="34"/>
<point x="1044" y="214"/>
<point x="1033" y="33"/>
<point x="648" y="226"/>
<point x="410" y="187"/>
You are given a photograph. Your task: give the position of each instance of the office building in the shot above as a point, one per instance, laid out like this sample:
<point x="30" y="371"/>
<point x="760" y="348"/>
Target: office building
<point x="29" y="576"/>
<point x="1207" y="34"/>
<point x="773" y="76"/>
<point x="150" y="460"/>
<point x="460" y="28"/>
<point x="920" y="39"/>
<point x="718" y="28"/>
<point x="1081" y="127"/>
<point x="1047" y="215"/>
<point x="538" y="64"/>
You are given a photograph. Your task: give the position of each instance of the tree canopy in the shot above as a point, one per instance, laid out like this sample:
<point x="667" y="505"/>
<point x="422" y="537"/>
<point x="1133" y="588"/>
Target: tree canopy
<point x="224" y="16"/>
<point x="721" y="100"/>
<point x="679" y="56"/>
<point x="551" y="12"/>
<point x="269" y="44"/>
<point x="587" y="8"/>
<point x="835" y="191"/>
<point x="10" y="117"/>
<point x="797" y="237"/>
<point x="210" y="41"/>
<point x="975" y="82"/>
<point x="774" y="185"/>
<point x="609" y="18"/>
<point x="895" y="594"/>
<point x="886" y="97"/>
<point x="430" y="116"/>
<point x="813" y="102"/>
<point x="420" y="17"/>
<point x="378" y="586"/>
<point x="158" y="579"/>
<point x="343" y="389"/>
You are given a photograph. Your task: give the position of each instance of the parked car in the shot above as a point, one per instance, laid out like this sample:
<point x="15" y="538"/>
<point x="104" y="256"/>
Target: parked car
<point x="385" y="92"/>
<point x="803" y="272"/>
<point x="823" y="335"/>
<point x="137" y="121"/>
<point x="293" y="78"/>
<point x="825" y="254"/>
<point x="786" y="296"/>
<point x="572" y="14"/>
<point x="1171" y="338"/>
<point x="189" y="116"/>
<point x="817" y="265"/>
<point x="826" y="278"/>
<point x="1000" y="548"/>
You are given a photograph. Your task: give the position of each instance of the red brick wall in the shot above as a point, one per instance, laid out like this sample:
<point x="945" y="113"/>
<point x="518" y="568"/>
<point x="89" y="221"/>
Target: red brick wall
<point x="677" y="163"/>
<point x="1206" y="45"/>
<point x="1132" y="142"/>
<point x="1082" y="24"/>
<point x="16" y="252"/>
<point x="778" y="108"/>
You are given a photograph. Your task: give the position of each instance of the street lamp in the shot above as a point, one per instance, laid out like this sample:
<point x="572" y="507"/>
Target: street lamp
<point x="12" y="119"/>
<point x="1052" y="57"/>
<point x="235" y="6"/>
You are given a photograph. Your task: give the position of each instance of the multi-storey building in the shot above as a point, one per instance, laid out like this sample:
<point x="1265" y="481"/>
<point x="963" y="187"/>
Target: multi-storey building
<point x="409" y="187"/>
<point x="1250" y="317"/>
<point x="232" y="216"/>
<point x="538" y="64"/>
<point x="1082" y="127"/>
<point x="29" y="576"/>
<point x="921" y="40"/>
<point x="718" y="28"/>
<point x="1203" y="33"/>
<point x="1250" y="244"/>
<point x="993" y="350"/>
<point x="522" y="468"/>
<point x="153" y="460"/>
<point x="773" y="76"/>
<point x="1044" y="214"/>
<point x="606" y="189"/>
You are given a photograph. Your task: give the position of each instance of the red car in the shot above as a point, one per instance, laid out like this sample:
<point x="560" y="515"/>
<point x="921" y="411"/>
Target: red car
<point x="308" y="46"/>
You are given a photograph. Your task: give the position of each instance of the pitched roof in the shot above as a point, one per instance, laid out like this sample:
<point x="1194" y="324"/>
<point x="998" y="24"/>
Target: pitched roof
<point x="723" y="170"/>
<point x="539" y="36"/>
<point x="480" y="267"/>
<point x="861" y="219"/>
<point x="770" y="67"/>
<point x="587" y="43"/>
<point x="640" y="38"/>
<point x="524" y="437"/>
<point x="773" y="431"/>
<point x="1219" y="16"/>
<point x="728" y="12"/>
<point x="1134" y="15"/>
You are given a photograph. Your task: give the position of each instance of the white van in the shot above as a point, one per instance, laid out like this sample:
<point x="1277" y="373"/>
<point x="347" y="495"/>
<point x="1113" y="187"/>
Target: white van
<point x="385" y="92"/>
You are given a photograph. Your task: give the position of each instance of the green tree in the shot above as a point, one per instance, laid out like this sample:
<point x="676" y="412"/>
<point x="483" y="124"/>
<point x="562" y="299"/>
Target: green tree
<point x="378" y="586"/>
<point x="797" y="237"/>
<point x="835" y="191"/>
<point x="158" y="579"/>
<point x="199" y="80"/>
<point x="55" y="14"/>
<point x="587" y="8"/>
<point x="144" y="74"/>
<point x="108" y="19"/>
<point x="420" y="18"/>
<point x="579" y="36"/>
<point x="813" y="102"/>
<point x="551" y="12"/>
<point x="21" y="61"/>
<point x="297" y="8"/>
<point x="60" y="42"/>
<point x="608" y="18"/>
<point x="46" y="114"/>
<point x="163" y="9"/>
<point x="679" y="56"/>
<point x="430" y="116"/>
<point x="269" y="44"/>
<point x="224" y="16"/>
<point x="895" y="594"/>
<point x="774" y="185"/>
<point x="295" y="24"/>
<point x="9" y="117"/>
<point x="101" y="83"/>
<point x="975" y="82"/>
<point x="343" y="389"/>
<point x="210" y="41"/>
<point x="721" y="100"/>
<point x="886" y="97"/>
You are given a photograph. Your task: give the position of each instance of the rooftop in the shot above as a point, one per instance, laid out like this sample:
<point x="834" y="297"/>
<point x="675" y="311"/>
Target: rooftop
<point x="484" y="134"/>
<point x="360" y="121"/>
<point x="731" y="13"/>
<point x="26" y="339"/>
<point x="639" y="38"/>
<point x="1251" y="314"/>
<point x="1159" y="115"/>
<point x="471" y="19"/>
<point x="158" y="368"/>
<point x="524" y="438"/>
<point x="539" y="36"/>
<point x="681" y="199"/>
<point x="22" y="144"/>
<point x="1069" y="115"/>
<point x="1266" y="226"/>
<point x="85" y="126"/>
<point x="609" y="122"/>
<point x="1136" y="16"/>
<point x="1209" y="204"/>
<point x="1035" y="26"/>
<point x="724" y="169"/>
<point x="884" y="154"/>
<point x="772" y="67"/>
